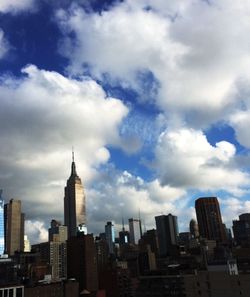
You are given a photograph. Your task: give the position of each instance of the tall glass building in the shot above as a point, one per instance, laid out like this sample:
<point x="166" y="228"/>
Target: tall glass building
<point x="1" y="223"/>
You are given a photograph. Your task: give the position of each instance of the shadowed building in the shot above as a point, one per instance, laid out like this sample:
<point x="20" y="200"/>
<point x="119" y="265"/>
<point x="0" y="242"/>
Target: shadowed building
<point x="74" y="203"/>
<point x="209" y="219"/>
<point x="82" y="261"/>
<point x="110" y="236"/>
<point x="241" y="229"/>
<point x="167" y="233"/>
<point x="13" y="227"/>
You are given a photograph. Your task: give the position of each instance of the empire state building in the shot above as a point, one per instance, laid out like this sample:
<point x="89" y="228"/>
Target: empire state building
<point x="74" y="203"/>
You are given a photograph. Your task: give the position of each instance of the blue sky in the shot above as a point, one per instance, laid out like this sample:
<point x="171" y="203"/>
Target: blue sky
<point x="153" y="95"/>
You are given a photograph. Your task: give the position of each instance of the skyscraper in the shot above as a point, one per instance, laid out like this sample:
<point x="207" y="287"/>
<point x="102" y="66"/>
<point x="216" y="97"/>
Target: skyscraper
<point x="110" y="236"/>
<point x="74" y="203"/>
<point x="167" y="232"/>
<point x="209" y="219"/>
<point x="134" y="230"/>
<point x="1" y="223"/>
<point x="13" y="227"/>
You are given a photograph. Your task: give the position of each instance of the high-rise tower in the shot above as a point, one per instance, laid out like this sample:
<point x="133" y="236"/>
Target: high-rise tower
<point x="209" y="219"/>
<point x="13" y="227"/>
<point x="74" y="203"/>
<point x="168" y="233"/>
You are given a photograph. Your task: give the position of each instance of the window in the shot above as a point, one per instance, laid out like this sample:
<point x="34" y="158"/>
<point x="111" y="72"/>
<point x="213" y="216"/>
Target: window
<point x="19" y="292"/>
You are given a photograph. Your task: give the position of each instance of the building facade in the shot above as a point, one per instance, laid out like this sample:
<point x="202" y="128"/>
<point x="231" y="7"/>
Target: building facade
<point x="167" y="233"/>
<point x="134" y="230"/>
<point x="82" y="261"/>
<point x="58" y="236"/>
<point x="110" y="236"/>
<point x="241" y="229"/>
<point x="209" y="219"/>
<point x="74" y="203"/>
<point x="13" y="227"/>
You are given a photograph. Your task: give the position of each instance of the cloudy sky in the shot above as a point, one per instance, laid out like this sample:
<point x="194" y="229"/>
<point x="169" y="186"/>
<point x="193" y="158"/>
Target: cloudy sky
<point x="154" y="95"/>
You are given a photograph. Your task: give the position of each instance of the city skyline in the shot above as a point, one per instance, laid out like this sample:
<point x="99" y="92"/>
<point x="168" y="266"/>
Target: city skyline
<point x="153" y="95"/>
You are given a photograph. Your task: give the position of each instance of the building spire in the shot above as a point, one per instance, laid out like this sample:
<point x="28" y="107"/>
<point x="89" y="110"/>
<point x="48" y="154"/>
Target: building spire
<point x="73" y="155"/>
<point x="73" y="165"/>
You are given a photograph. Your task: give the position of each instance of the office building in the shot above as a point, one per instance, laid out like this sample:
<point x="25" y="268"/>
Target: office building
<point x="167" y="233"/>
<point x="58" y="235"/>
<point x="74" y="203"/>
<point x="241" y="229"/>
<point x="57" y="232"/>
<point x="13" y="227"/>
<point x="150" y="238"/>
<point x="27" y="246"/>
<point x="1" y="223"/>
<point x="82" y="262"/>
<point x="134" y="230"/>
<point x="209" y="219"/>
<point x="110" y="236"/>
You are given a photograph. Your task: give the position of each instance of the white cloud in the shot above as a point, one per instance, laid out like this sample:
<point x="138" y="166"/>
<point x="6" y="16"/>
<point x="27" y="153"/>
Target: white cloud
<point x="121" y="194"/>
<point x="36" y="231"/>
<point x="232" y="207"/>
<point x="13" y="6"/>
<point x="184" y="158"/>
<point x="42" y="115"/>
<point x="196" y="51"/>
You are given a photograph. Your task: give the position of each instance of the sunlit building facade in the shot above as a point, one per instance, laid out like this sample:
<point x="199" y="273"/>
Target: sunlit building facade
<point x="134" y="230"/>
<point x="14" y="227"/>
<point x="74" y="204"/>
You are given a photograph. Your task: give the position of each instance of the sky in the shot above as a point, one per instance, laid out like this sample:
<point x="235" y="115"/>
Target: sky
<point x="154" y="96"/>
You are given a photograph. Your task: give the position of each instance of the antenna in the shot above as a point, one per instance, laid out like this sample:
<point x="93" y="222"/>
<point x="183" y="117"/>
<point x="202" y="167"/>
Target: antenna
<point x="73" y="155"/>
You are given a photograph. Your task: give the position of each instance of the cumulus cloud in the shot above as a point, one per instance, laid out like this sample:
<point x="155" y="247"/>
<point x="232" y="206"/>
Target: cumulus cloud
<point x="121" y="194"/>
<point x="42" y="115"/>
<point x="195" y="50"/>
<point x="185" y="158"/>
<point x="36" y="230"/>
<point x="14" y="6"/>
<point x="232" y="207"/>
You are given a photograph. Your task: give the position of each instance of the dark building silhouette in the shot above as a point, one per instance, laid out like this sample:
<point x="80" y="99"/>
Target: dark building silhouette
<point x="123" y="237"/>
<point x="150" y="238"/>
<point x="110" y="236"/>
<point x="13" y="227"/>
<point x="241" y="229"/>
<point x="56" y="289"/>
<point x="209" y="219"/>
<point x="82" y="261"/>
<point x="167" y="232"/>
<point x="74" y="203"/>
